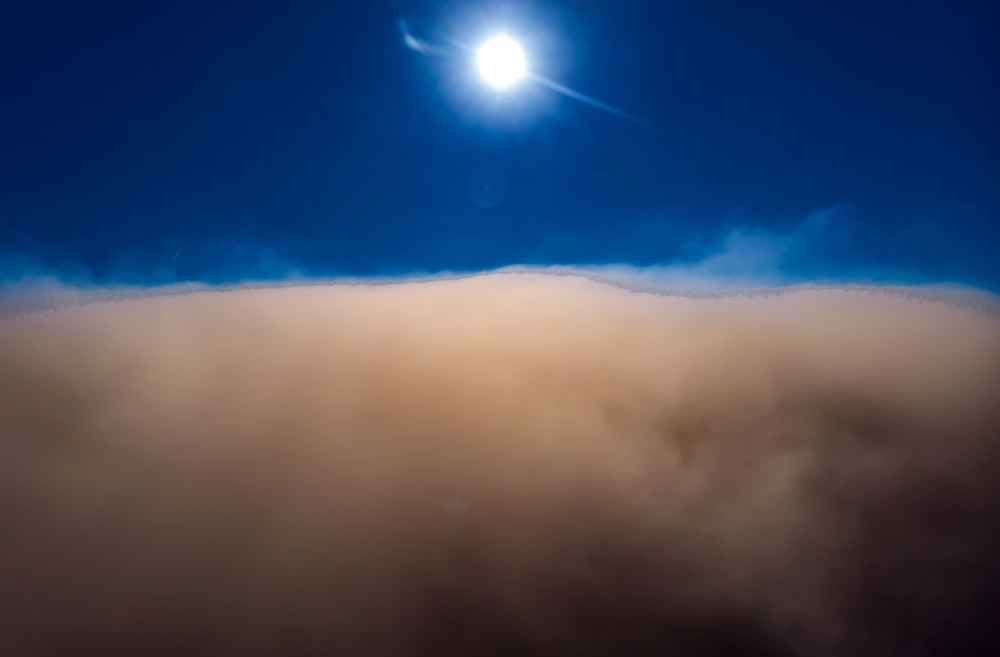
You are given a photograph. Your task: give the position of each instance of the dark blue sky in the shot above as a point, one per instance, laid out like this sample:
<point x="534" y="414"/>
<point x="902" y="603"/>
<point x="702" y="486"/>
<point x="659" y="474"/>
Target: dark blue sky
<point x="201" y="139"/>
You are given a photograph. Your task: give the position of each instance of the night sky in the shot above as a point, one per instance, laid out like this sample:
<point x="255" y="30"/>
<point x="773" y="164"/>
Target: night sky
<point x="213" y="140"/>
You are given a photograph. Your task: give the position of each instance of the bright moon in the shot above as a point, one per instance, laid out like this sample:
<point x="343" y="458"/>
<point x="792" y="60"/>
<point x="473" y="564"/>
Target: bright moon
<point x="501" y="62"/>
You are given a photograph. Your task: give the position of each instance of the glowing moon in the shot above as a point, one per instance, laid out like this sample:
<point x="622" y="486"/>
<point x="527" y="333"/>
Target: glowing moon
<point x="501" y="61"/>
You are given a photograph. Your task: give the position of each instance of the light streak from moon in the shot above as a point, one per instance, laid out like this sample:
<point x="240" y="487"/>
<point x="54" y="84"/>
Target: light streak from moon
<point x="427" y="48"/>
<point x="593" y="102"/>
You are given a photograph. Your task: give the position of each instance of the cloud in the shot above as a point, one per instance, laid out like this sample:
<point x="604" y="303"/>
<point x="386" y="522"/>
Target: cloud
<point x="745" y="258"/>
<point x="515" y="463"/>
<point x="748" y="254"/>
<point x="738" y="255"/>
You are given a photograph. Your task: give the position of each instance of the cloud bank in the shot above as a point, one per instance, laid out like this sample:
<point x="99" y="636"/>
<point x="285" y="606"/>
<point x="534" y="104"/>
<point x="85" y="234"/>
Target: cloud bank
<point x="506" y="464"/>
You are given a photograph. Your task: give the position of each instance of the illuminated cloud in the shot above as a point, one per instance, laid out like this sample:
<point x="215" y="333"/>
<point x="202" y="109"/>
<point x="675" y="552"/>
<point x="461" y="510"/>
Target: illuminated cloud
<point x="503" y="464"/>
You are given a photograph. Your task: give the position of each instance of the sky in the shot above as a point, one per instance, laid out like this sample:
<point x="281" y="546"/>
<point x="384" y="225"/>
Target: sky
<point x="166" y="141"/>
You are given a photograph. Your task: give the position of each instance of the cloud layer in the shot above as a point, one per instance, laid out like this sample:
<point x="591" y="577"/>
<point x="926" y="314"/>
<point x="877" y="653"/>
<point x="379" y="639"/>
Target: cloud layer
<point x="506" y="464"/>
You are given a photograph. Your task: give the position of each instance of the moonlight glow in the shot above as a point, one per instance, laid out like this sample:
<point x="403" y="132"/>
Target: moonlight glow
<point x="501" y="61"/>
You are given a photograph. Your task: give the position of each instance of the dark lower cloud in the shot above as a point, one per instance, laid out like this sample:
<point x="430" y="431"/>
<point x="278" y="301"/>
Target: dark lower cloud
<point x="504" y="464"/>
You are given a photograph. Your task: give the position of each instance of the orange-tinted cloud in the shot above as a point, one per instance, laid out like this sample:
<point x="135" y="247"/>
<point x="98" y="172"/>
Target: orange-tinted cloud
<point x="506" y="464"/>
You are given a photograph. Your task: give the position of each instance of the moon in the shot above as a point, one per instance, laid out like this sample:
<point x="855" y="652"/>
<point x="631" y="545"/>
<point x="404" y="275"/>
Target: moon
<point x="501" y="61"/>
